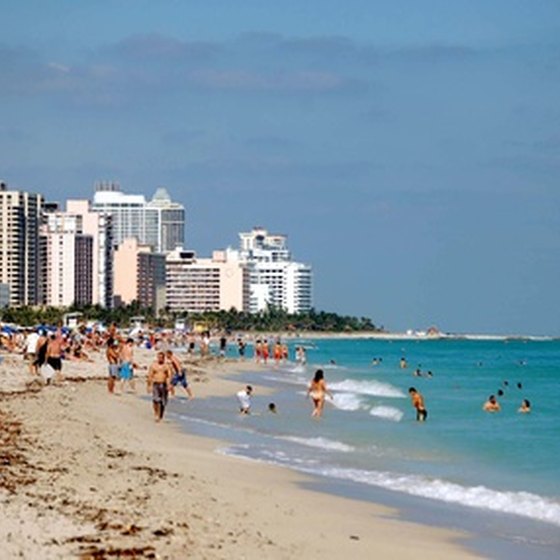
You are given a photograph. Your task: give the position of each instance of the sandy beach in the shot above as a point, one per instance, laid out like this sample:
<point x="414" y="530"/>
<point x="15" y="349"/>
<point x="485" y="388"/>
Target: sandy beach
<point x="85" y="474"/>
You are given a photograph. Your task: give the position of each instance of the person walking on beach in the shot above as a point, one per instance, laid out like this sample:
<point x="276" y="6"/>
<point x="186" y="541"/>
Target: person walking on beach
<point x="159" y="379"/>
<point x="113" y="358"/>
<point x="54" y="354"/>
<point x="41" y="350"/>
<point x="258" y="350"/>
<point x="31" y="343"/>
<point x="277" y="352"/>
<point x="265" y="351"/>
<point x="241" y="348"/>
<point x="418" y="404"/>
<point x="223" y="347"/>
<point x="179" y="374"/>
<point x="127" y="364"/>
<point x="318" y="390"/>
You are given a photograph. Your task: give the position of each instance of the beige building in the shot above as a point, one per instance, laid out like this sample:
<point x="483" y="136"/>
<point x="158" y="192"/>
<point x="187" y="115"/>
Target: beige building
<point x="20" y="214"/>
<point x="99" y="227"/>
<point x="125" y="264"/>
<point x="211" y="284"/>
<point x="139" y="275"/>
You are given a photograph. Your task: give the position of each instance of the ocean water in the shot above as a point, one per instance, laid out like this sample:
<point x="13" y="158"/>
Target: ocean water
<point x="505" y="463"/>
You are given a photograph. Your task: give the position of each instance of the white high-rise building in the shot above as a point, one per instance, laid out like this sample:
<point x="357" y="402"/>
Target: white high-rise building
<point x="67" y="268"/>
<point x="275" y="280"/>
<point x="159" y="223"/>
<point x="170" y="220"/>
<point x="20" y="214"/>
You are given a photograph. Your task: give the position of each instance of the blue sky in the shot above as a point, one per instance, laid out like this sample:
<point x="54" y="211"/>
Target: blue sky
<point x="410" y="150"/>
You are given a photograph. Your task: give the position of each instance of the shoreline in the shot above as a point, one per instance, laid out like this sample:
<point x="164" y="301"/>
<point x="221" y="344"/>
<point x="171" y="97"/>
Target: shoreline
<point x="374" y="335"/>
<point x="488" y="532"/>
<point x="107" y="478"/>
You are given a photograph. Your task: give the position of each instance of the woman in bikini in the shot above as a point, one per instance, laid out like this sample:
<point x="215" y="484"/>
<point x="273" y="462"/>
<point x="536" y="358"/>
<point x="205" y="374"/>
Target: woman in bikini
<point x="317" y="390"/>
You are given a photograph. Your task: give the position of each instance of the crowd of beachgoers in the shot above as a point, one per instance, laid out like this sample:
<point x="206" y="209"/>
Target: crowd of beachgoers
<point x="46" y="348"/>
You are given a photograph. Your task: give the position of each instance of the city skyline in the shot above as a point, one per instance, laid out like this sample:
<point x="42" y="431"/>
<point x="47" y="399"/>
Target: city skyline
<point x="410" y="152"/>
<point x="121" y="248"/>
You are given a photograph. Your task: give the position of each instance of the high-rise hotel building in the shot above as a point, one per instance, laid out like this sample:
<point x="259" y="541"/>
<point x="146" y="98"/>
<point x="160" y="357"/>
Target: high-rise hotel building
<point x="158" y="223"/>
<point x="206" y="284"/>
<point x="259" y="275"/>
<point x="275" y="279"/>
<point x="99" y="226"/>
<point x="139" y="276"/>
<point x="20" y="214"/>
<point x="67" y="271"/>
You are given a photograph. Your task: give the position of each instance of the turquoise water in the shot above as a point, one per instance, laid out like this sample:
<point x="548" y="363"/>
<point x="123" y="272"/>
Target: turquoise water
<point x="505" y="462"/>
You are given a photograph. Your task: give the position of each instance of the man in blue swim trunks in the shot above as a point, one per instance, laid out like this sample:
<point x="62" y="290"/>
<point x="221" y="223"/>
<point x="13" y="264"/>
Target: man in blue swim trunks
<point x="179" y="374"/>
<point x="127" y="364"/>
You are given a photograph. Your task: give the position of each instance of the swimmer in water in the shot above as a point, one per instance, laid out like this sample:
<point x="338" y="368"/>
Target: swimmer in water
<point x="491" y="405"/>
<point x="525" y="407"/>
<point x="272" y="408"/>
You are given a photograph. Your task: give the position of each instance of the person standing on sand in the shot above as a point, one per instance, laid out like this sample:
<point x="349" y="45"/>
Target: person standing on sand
<point x="158" y="382"/>
<point x="258" y="350"/>
<point x="223" y="346"/>
<point x="179" y="374"/>
<point x="241" y="348"/>
<point x="191" y="345"/>
<point x="31" y="343"/>
<point x="127" y="364"/>
<point x="113" y="358"/>
<point x="54" y="354"/>
<point x="318" y="390"/>
<point x="277" y="352"/>
<point x="418" y="404"/>
<point x="265" y="351"/>
<point x="41" y="349"/>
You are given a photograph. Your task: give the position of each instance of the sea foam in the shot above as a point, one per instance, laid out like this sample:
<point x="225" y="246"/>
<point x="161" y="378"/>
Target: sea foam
<point x="387" y="413"/>
<point x="374" y="388"/>
<point x="348" y="401"/>
<point x="321" y="443"/>
<point x="524" y="504"/>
